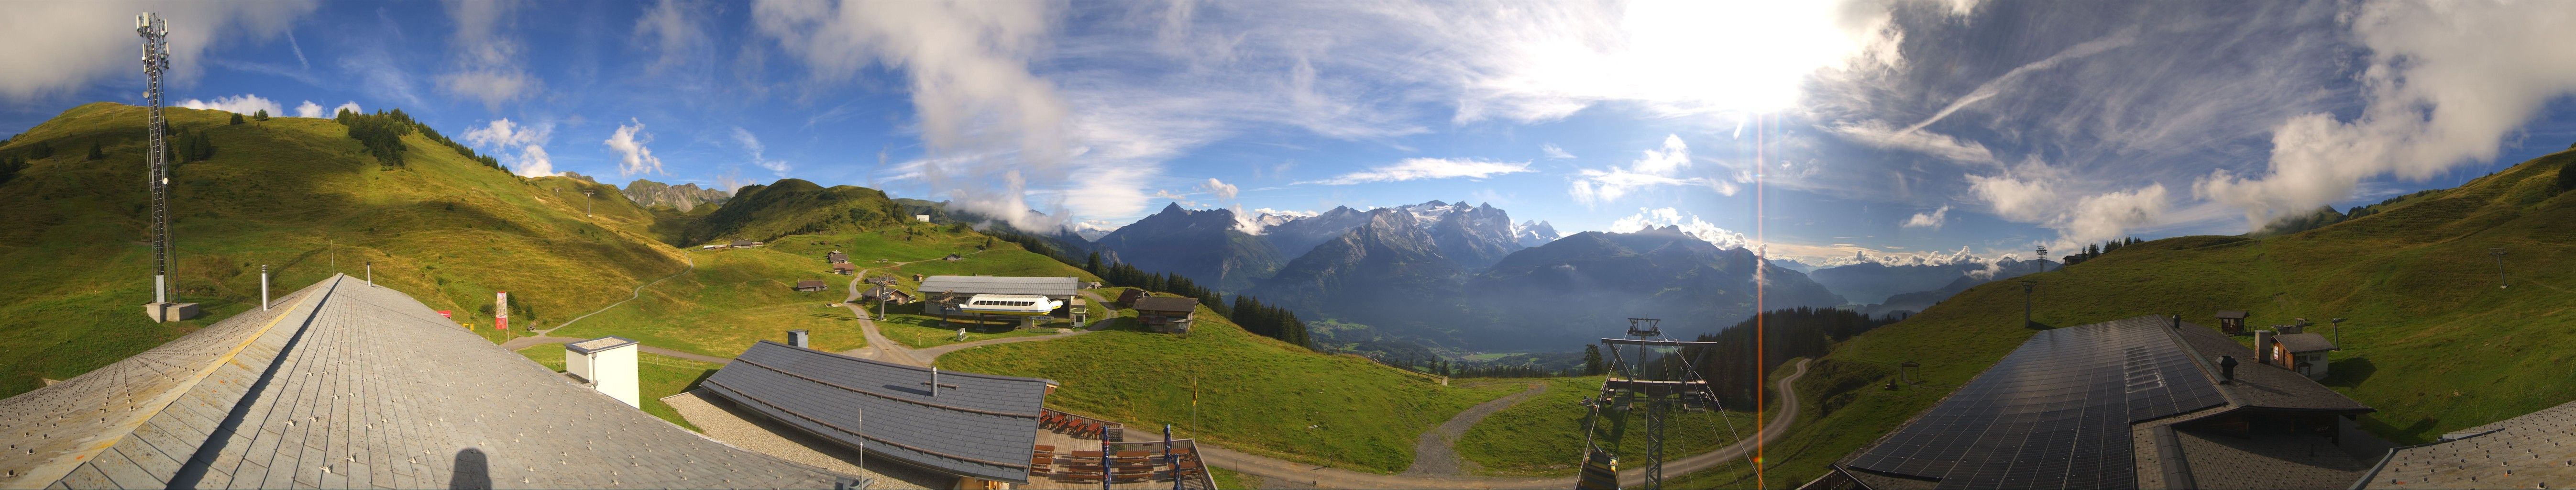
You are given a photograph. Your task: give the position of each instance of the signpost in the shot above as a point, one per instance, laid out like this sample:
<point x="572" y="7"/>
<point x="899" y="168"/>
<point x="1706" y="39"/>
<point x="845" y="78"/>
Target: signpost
<point x="501" y="311"/>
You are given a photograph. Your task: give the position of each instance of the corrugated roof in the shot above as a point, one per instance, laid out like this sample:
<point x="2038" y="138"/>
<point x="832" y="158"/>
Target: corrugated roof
<point x="2305" y="342"/>
<point x="978" y="425"/>
<point x="351" y="386"/>
<point x="968" y="285"/>
<point x="1174" y="305"/>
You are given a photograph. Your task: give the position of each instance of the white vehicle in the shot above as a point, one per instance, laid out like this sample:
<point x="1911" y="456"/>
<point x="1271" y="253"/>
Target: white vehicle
<point x="1010" y="304"/>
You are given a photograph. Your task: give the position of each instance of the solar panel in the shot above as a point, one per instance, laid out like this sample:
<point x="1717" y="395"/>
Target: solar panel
<point x="2054" y="413"/>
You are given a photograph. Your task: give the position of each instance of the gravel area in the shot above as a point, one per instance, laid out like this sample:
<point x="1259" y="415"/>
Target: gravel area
<point x="725" y="423"/>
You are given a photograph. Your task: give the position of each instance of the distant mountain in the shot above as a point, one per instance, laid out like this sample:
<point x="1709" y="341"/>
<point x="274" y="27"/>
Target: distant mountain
<point x="790" y="207"/>
<point x="1917" y="301"/>
<point x="684" y="197"/>
<point x="1873" y="282"/>
<point x="1580" y="287"/>
<point x="1294" y="235"/>
<point x="1534" y="233"/>
<point x="1387" y="272"/>
<point x="1064" y="240"/>
<point x="1206" y="246"/>
<point x="1474" y="237"/>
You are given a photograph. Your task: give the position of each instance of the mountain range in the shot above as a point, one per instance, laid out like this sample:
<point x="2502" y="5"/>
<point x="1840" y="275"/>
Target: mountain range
<point x="683" y="197"/>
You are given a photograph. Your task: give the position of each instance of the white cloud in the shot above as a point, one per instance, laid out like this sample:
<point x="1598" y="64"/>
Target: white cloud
<point x="1222" y="190"/>
<point x="2016" y="199"/>
<point x="1535" y="62"/>
<point x="1931" y="220"/>
<point x="1427" y="168"/>
<point x="244" y="104"/>
<point x="1285" y="212"/>
<point x="308" y="109"/>
<point x="56" y="48"/>
<point x="1174" y="197"/>
<point x="1914" y="139"/>
<point x="1689" y="225"/>
<point x="2446" y="84"/>
<point x="2111" y="215"/>
<point x="519" y="147"/>
<point x="1552" y="151"/>
<point x="633" y="157"/>
<point x="972" y="91"/>
<point x="1658" y="167"/>
<point x="487" y="63"/>
<point x="346" y="106"/>
<point x="752" y="144"/>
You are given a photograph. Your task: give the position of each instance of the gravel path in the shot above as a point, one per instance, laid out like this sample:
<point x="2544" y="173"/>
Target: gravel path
<point x="1436" y="453"/>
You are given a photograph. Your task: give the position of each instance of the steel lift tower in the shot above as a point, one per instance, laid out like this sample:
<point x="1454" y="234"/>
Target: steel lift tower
<point x="156" y="58"/>
<point x="1647" y="387"/>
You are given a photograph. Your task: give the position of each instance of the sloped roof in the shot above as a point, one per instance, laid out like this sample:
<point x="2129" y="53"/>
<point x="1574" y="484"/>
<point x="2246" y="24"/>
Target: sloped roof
<point x="969" y="285"/>
<point x="2305" y="342"/>
<point x="1163" y="304"/>
<point x="2235" y="314"/>
<point x="2530" y="451"/>
<point x="351" y="386"/>
<point x="978" y="425"/>
<point x="2058" y="411"/>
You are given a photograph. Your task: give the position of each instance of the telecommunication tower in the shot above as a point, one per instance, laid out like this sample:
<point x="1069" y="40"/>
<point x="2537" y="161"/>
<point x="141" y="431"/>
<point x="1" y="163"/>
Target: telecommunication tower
<point x="156" y="58"/>
<point x="1647" y="387"/>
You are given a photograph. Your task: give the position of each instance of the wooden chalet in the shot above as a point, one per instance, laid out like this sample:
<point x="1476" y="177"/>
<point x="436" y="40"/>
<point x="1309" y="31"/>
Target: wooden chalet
<point x="810" y="285"/>
<point x="1166" y="315"/>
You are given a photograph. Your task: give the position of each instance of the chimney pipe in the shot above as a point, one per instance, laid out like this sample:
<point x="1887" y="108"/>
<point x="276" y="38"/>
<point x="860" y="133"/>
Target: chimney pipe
<point x="2226" y="369"/>
<point x="934" y="381"/>
<point x="2176" y="321"/>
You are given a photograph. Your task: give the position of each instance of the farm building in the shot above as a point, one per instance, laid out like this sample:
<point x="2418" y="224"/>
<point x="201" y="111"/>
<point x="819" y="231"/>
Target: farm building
<point x="844" y="268"/>
<point x="2146" y="402"/>
<point x="836" y="257"/>
<point x="743" y="244"/>
<point x="1166" y="315"/>
<point x="1131" y="295"/>
<point x="886" y="294"/>
<point x="2231" y="321"/>
<point x="2301" y="352"/>
<point x="810" y="285"/>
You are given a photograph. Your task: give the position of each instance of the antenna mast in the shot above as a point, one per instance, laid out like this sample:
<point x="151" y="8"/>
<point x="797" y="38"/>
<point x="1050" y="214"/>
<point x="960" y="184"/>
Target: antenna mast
<point x="156" y="57"/>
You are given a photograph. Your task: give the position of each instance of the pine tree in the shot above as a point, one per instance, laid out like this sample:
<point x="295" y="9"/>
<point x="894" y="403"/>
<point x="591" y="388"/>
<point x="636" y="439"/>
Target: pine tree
<point x="263" y="115"/>
<point x="237" y="119"/>
<point x="1591" y="360"/>
<point x="95" y="153"/>
<point x="1092" y="264"/>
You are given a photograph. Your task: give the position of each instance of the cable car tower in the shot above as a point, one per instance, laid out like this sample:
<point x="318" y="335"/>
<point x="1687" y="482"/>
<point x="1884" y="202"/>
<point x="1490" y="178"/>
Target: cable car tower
<point x="156" y="57"/>
<point x="1648" y="388"/>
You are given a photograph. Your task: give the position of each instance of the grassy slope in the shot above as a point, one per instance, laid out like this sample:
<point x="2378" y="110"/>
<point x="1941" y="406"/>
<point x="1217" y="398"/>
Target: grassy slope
<point x="734" y="299"/>
<point x="661" y="375"/>
<point x="1256" y="394"/>
<point x="1533" y="437"/>
<point x="447" y="230"/>
<point x="2433" y="343"/>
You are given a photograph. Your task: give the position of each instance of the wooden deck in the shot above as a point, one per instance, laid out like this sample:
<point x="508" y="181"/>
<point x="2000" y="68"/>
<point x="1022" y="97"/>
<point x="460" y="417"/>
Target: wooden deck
<point x="1071" y="455"/>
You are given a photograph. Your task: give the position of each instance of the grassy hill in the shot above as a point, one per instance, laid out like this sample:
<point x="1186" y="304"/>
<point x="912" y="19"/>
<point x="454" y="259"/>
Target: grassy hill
<point x="2432" y="341"/>
<point x="297" y="194"/>
<point x="1255" y="394"/>
<point x="792" y="207"/>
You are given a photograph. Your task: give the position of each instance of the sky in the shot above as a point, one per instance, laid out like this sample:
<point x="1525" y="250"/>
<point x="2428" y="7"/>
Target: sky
<point x="1822" y="132"/>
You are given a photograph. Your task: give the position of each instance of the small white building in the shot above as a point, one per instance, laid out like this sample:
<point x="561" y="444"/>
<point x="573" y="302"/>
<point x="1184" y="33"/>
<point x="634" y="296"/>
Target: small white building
<point x="921" y="217"/>
<point x="608" y="364"/>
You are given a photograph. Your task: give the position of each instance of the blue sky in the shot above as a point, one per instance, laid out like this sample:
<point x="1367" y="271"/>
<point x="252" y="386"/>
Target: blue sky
<point x="1900" y="131"/>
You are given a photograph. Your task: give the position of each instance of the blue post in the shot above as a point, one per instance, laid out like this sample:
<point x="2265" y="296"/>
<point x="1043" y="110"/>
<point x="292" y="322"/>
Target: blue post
<point x="1108" y="471"/>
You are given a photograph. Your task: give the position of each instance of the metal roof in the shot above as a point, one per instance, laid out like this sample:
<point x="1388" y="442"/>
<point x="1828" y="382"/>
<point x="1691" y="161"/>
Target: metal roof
<point x="977" y="425"/>
<point x="2530" y="451"/>
<point x="1159" y="303"/>
<point x="1061" y="287"/>
<point x="352" y="386"/>
<point x="598" y="344"/>
<point x="2305" y="342"/>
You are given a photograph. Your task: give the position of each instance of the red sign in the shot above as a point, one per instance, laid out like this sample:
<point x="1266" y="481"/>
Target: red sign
<point x="445" y="314"/>
<point x="501" y="303"/>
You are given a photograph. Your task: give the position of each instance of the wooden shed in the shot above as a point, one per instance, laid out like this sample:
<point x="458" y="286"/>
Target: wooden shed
<point x="2232" y="322"/>
<point x="1166" y="315"/>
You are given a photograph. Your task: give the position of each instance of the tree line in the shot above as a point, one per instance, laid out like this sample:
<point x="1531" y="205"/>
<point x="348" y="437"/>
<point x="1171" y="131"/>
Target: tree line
<point x="2096" y="250"/>
<point x="1732" y="368"/>
<point x="381" y="133"/>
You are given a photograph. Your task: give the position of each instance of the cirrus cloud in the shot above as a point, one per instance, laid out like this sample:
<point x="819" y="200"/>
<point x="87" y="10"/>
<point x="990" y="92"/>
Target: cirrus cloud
<point x="1427" y="168"/>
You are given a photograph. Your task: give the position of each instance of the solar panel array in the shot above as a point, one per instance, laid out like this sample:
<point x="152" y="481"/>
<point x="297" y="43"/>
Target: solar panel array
<point x="2053" y="414"/>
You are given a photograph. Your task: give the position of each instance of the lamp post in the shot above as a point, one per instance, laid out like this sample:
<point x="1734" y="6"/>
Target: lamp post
<point x="588" y="196"/>
<point x="263" y="287"/>
<point x="2026" y="287"/>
